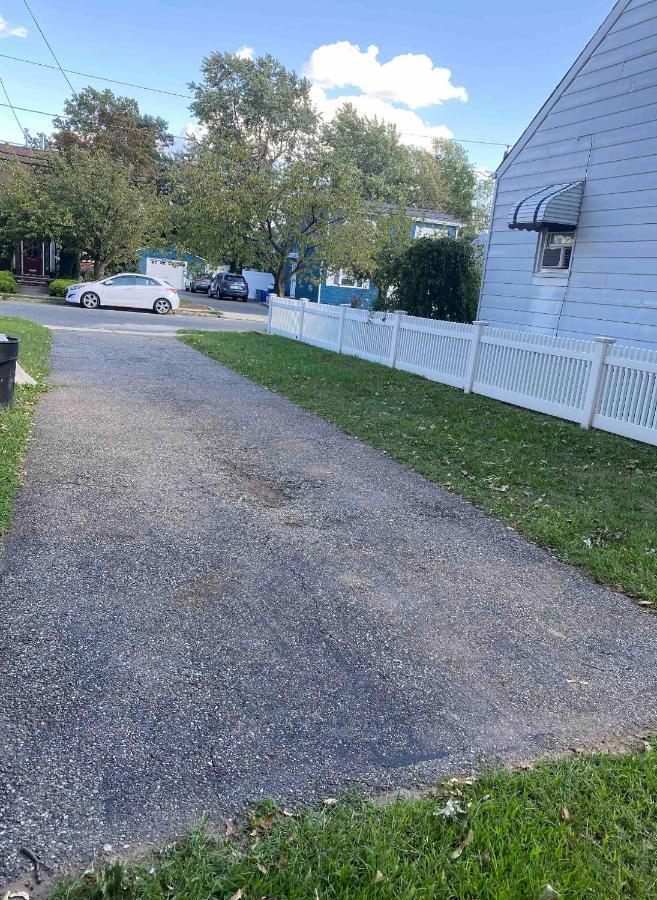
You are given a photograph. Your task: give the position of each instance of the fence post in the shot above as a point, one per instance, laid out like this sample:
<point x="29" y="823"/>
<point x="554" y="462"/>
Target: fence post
<point x="302" y="309"/>
<point x="343" y="316"/>
<point x="601" y="347"/>
<point x="270" y="310"/>
<point x="394" y="343"/>
<point x="477" y="330"/>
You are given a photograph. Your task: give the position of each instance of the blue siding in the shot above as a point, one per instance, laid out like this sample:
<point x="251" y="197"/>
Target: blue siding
<point x="337" y="296"/>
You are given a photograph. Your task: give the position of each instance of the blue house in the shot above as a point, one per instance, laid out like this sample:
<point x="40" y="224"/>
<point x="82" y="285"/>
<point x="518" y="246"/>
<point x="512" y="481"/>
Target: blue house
<point x="338" y="288"/>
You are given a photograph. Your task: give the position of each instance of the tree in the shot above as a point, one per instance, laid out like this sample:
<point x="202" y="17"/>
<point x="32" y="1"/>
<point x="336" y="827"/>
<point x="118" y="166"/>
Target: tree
<point x="92" y="204"/>
<point x="436" y="278"/>
<point x="373" y="148"/>
<point x="99" y="120"/>
<point x="257" y="103"/>
<point x="262" y="188"/>
<point x="456" y="179"/>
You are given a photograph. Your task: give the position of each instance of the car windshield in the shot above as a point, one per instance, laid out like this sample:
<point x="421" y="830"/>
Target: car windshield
<point x="235" y="279"/>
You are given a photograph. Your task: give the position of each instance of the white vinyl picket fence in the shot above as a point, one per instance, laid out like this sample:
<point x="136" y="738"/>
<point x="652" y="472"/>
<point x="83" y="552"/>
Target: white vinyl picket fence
<point x="596" y="383"/>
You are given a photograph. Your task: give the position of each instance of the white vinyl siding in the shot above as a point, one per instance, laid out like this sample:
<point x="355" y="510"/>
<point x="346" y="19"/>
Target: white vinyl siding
<point x="602" y="130"/>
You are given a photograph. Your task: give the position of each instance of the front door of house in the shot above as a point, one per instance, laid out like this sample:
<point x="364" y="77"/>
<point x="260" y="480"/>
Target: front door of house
<point x="32" y="258"/>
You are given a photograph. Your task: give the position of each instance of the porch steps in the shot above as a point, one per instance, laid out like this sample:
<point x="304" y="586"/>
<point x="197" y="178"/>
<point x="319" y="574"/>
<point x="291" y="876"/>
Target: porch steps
<point x="32" y="284"/>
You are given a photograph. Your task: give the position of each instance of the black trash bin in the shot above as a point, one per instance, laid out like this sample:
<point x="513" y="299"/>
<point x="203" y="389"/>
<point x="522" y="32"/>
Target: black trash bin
<point x="8" y="357"/>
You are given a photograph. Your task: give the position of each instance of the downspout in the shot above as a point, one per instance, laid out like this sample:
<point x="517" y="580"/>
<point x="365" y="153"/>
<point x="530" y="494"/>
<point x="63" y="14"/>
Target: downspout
<point x="572" y="259"/>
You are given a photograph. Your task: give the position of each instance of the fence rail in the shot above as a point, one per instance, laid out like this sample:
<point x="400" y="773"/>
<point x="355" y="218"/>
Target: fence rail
<point x="596" y="383"/>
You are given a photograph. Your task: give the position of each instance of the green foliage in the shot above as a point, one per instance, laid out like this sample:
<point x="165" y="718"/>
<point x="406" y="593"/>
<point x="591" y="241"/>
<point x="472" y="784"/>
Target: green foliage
<point x="437" y="278"/>
<point x="98" y="208"/>
<point x="588" y="496"/>
<point x="59" y="286"/>
<point x="16" y="420"/>
<point x="101" y="121"/>
<point x="7" y="283"/>
<point x="512" y="840"/>
<point x="374" y="150"/>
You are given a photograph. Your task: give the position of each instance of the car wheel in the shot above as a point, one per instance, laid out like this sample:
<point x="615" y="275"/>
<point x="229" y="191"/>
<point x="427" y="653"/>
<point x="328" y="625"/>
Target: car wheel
<point x="193" y="290"/>
<point x="244" y="299"/>
<point x="162" y="306"/>
<point x="90" y="300"/>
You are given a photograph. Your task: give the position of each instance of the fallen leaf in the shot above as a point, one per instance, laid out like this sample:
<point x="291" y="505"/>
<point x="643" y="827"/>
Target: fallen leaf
<point x="485" y="861"/>
<point x="548" y="893"/>
<point x="330" y="801"/>
<point x="230" y="827"/>
<point x="288" y="813"/>
<point x="262" y="868"/>
<point x="461" y="780"/>
<point x="379" y="878"/>
<point x="281" y="862"/>
<point x="238" y="894"/>
<point x="576" y="681"/>
<point x="565" y="814"/>
<point x="16" y="895"/>
<point x="450" y="810"/>
<point x="645" y="602"/>
<point x="465" y="843"/>
<point x="265" y="823"/>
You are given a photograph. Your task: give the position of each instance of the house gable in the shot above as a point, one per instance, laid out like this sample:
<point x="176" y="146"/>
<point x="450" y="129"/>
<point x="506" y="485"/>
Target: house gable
<point x="599" y="127"/>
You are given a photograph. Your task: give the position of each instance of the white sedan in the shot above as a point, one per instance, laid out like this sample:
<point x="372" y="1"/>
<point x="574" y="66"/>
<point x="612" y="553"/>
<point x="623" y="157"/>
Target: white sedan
<point x="126" y="289"/>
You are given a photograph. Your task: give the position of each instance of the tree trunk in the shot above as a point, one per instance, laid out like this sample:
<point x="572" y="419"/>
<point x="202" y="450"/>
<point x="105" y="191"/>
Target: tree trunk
<point x="99" y="269"/>
<point x="279" y="282"/>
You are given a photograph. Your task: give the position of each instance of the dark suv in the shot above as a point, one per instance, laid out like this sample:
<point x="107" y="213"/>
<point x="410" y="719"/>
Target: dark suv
<point x="229" y="287"/>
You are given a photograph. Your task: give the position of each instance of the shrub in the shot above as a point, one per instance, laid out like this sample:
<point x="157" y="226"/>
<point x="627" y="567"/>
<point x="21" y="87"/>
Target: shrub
<point x="7" y="283"/>
<point x="437" y="278"/>
<point x="59" y="286"/>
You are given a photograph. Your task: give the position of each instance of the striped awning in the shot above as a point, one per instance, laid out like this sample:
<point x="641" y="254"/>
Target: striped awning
<point x="555" y="206"/>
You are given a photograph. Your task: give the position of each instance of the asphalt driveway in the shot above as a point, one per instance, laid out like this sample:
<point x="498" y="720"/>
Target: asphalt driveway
<point x="211" y="596"/>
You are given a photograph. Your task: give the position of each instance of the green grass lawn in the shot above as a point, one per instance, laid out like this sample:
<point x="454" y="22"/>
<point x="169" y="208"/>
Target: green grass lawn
<point x="590" y="497"/>
<point x="585" y="826"/>
<point x="16" y="421"/>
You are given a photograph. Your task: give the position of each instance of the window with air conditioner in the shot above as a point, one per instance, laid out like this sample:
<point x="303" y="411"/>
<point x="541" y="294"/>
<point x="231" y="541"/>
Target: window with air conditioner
<point x="555" y="252"/>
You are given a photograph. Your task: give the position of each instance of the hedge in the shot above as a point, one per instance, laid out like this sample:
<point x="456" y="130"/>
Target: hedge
<point x="7" y="283"/>
<point x="59" y="286"/>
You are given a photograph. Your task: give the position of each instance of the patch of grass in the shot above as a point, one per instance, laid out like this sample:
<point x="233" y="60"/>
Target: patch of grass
<point x="590" y="497"/>
<point x="16" y="420"/>
<point x="586" y="826"/>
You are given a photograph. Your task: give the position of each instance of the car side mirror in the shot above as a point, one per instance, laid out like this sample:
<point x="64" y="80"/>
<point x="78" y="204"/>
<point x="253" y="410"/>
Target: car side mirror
<point x="109" y="281"/>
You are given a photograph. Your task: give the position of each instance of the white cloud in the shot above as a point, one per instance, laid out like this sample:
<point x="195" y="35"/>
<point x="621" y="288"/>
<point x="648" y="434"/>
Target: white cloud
<point x="245" y="53"/>
<point x="412" y="129"/>
<point x="410" y="79"/>
<point x="7" y="30"/>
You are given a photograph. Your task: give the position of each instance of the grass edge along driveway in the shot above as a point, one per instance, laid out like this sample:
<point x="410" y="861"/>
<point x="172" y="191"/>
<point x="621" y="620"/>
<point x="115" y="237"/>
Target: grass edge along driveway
<point x="16" y="420"/>
<point x="587" y="496"/>
<point x="571" y="828"/>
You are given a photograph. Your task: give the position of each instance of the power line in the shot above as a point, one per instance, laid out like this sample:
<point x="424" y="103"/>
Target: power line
<point x="13" y="109"/>
<point x="52" y="52"/>
<point x="131" y="84"/>
<point x="144" y="87"/>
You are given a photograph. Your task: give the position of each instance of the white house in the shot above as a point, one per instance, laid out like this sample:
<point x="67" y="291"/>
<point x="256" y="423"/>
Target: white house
<point x="573" y="241"/>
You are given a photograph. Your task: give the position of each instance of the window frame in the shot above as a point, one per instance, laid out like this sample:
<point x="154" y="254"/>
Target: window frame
<point x="559" y="271"/>
<point x="337" y="279"/>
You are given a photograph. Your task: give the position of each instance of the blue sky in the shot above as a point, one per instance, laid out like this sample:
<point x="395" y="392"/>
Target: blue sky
<point x="507" y="57"/>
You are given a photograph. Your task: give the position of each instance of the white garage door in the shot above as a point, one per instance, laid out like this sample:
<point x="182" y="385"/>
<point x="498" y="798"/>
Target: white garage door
<point x="172" y="270"/>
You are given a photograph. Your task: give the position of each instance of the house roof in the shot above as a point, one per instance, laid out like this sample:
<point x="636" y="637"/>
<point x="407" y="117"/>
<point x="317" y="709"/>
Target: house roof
<point x="420" y="214"/>
<point x="565" y="82"/>
<point x="27" y="155"/>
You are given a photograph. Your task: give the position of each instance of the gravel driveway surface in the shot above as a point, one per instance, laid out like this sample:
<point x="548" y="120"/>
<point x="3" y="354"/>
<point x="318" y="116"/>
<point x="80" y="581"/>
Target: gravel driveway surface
<point x="210" y="595"/>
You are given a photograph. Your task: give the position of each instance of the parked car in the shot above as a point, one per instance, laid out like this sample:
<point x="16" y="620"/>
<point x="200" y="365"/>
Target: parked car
<point x="226" y="286"/>
<point x="200" y="283"/>
<point x="126" y="289"/>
